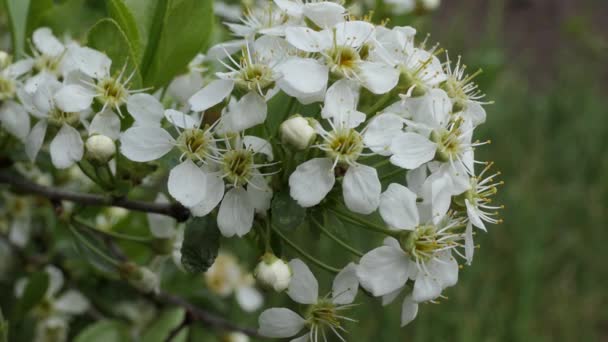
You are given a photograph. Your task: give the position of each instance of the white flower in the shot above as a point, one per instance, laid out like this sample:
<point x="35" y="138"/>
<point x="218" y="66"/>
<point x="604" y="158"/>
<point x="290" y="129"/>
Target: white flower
<point x="15" y="119"/>
<point x="265" y="20"/>
<point x="323" y="314"/>
<point x="184" y="86"/>
<point x="313" y="179"/>
<point x="298" y="132"/>
<point x="464" y="92"/>
<point x="324" y="14"/>
<point x="345" y="49"/>
<point x="10" y="75"/>
<point x="17" y="212"/>
<point x="61" y="105"/>
<point x="273" y="272"/>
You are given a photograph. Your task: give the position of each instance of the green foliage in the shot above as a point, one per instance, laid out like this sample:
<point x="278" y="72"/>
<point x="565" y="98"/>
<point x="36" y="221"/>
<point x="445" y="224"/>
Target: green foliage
<point x="125" y="19"/>
<point x="104" y="331"/>
<point x="201" y="244"/>
<point x="17" y="13"/>
<point x="286" y="212"/>
<point x="3" y="328"/>
<point x="33" y="294"/>
<point x="162" y="327"/>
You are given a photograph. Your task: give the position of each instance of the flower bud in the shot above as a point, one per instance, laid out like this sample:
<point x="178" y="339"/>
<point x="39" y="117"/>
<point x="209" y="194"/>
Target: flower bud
<point x="141" y="278"/>
<point x="273" y="272"/>
<point x="100" y="148"/>
<point x="5" y="60"/>
<point x="298" y="132"/>
<point x="429" y="5"/>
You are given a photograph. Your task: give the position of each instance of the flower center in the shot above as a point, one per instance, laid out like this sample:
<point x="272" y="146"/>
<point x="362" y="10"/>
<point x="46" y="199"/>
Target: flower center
<point x="58" y="117"/>
<point x="111" y="92"/>
<point x="256" y="77"/>
<point x="448" y="142"/>
<point x="323" y="314"/>
<point x="47" y="63"/>
<point x="345" y="145"/>
<point x="343" y="60"/>
<point x="423" y="242"/>
<point x="194" y="143"/>
<point x="237" y="166"/>
<point x="7" y="88"/>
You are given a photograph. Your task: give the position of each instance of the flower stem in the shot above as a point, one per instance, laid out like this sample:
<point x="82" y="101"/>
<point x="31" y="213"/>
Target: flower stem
<point x="372" y="226"/>
<point x="92" y="247"/>
<point x="138" y="239"/>
<point x="305" y="254"/>
<point x="337" y="239"/>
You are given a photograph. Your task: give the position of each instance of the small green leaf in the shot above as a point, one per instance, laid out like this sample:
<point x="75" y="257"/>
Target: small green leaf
<point x="175" y="38"/>
<point x="107" y="36"/>
<point x="162" y="327"/>
<point x="17" y="15"/>
<point x="33" y="294"/>
<point x="3" y="328"/>
<point x="104" y="331"/>
<point x="201" y="244"/>
<point x="121" y="13"/>
<point x="36" y="13"/>
<point x="286" y="213"/>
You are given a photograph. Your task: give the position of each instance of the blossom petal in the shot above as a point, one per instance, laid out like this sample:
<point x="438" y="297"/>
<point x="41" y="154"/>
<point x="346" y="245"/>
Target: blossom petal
<point x="426" y="288"/>
<point x="67" y="147"/>
<point x="214" y="194"/>
<point x="211" y="95"/>
<point x="15" y="119"/>
<point x="303" y="287"/>
<point x="302" y="77"/>
<point x="260" y="193"/>
<point x="469" y="245"/>
<point x="311" y="181"/>
<point x="381" y="131"/>
<point x="47" y="43"/>
<point x="72" y="302"/>
<point x="379" y="78"/>
<point x="161" y="226"/>
<point x="106" y="123"/>
<point x="258" y="145"/>
<point x="249" y="111"/>
<point x="474" y="216"/>
<point x="398" y="207"/>
<point x="307" y="39"/>
<point x="410" y="150"/>
<point x="383" y="270"/>
<point x="55" y="280"/>
<point x="73" y="98"/>
<point x="145" y="143"/>
<point x="249" y="298"/>
<point x="235" y="216"/>
<point x="345" y="285"/>
<point x="353" y="33"/>
<point x="324" y="14"/>
<point x="35" y="139"/>
<point x="145" y="109"/>
<point x="341" y="97"/>
<point x="361" y="189"/>
<point x="180" y="119"/>
<point x="409" y="310"/>
<point x="280" y="323"/>
<point x="187" y="183"/>
<point x="91" y="62"/>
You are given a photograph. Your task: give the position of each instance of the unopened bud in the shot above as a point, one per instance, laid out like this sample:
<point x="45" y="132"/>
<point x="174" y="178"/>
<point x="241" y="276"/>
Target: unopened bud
<point x="298" y="132"/>
<point x="141" y="278"/>
<point x="429" y="5"/>
<point x="5" y="60"/>
<point x="235" y="337"/>
<point x="273" y="272"/>
<point x="100" y="148"/>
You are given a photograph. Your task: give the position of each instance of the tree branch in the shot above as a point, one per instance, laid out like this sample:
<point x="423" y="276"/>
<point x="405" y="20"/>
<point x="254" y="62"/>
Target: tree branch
<point x="22" y="185"/>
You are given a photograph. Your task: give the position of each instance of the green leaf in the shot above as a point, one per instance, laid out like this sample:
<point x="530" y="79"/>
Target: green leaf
<point x="180" y="30"/>
<point x="17" y="15"/>
<point x="104" y="331"/>
<point x="144" y="12"/>
<point x="3" y="328"/>
<point x="201" y="244"/>
<point x="162" y="327"/>
<point x="36" y="13"/>
<point x="107" y="36"/>
<point x="121" y="13"/>
<point x="286" y="213"/>
<point x="33" y="294"/>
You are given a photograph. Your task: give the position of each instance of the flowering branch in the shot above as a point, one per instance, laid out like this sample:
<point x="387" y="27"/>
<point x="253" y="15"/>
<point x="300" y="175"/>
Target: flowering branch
<point x="22" y="185"/>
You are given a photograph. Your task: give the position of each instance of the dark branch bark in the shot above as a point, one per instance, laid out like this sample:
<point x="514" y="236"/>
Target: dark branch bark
<point x="22" y="185"/>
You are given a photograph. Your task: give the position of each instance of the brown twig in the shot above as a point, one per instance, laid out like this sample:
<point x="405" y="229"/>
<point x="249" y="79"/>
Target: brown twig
<point x="22" y="185"/>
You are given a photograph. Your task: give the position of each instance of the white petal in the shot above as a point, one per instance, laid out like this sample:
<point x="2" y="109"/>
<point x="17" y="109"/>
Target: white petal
<point x="180" y="119"/>
<point x="475" y="113"/>
<point x="35" y="139"/>
<point x="223" y="50"/>
<point x="145" y="143"/>
<point x="409" y="310"/>
<point x="184" y="86"/>
<point x="473" y="216"/>
<point x="302" y="77"/>
<point x="187" y="183"/>
<point x="390" y="297"/>
<point x="426" y="288"/>
<point x="214" y="194"/>
<point x="398" y="207"/>
<point x="361" y="189"/>
<point x="47" y="43"/>
<point x="381" y="131"/>
<point x="353" y="33"/>
<point x="145" y="109"/>
<point x="235" y="216"/>
<point x="43" y="97"/>
<point x="211" y="95"/>
<point x="20" y="230"/>
<point x="15" y="120"/>
<point x="469" y="245"/>
<point x="445" y="269"/>
<point x="303" y="287"/>
<point x="416" y="177"/>
<point x="249" y="298"/>
<point x="410" y="150"/>
<point x="280" y="323"/>
<point x="383" y="270"/>
<point x="324" y="14"/>
<point x="308" y="40"/>
<point x="161" y="226"/>
<point x="249" y="111"/>
<point x="67" y="147"/>
<point x="19" y="68"/>
<point x="258" y="145"/>
<point x="72" y="302"/>
<point x="345" y="285"/>
<point x="311" y="181"/>
<point x="379" y="78"/>
<point x="92" y="62"/>
<point x="106" y="123"/>
<point x="260" y="193"/>
<point x="73" y="98"/>
<point x="55" y="280"/>
<point x="341" y="97"/>
<point x="292" y="8"/>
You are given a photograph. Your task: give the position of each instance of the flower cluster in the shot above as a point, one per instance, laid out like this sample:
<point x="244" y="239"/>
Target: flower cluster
<point x="384" y="127"/>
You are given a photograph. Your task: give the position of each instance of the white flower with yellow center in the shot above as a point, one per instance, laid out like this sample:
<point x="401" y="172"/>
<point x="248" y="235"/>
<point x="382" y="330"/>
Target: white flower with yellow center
<point x="324" y="14"/>
<point x="345" y="49"/>
<point x="343" y="145"/>
<point x="324" y="315"/>
<point x="465" y="94"/>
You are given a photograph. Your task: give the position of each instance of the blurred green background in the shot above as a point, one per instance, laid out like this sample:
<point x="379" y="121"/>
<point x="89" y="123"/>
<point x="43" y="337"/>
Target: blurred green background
<point x="542" y="275"/>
